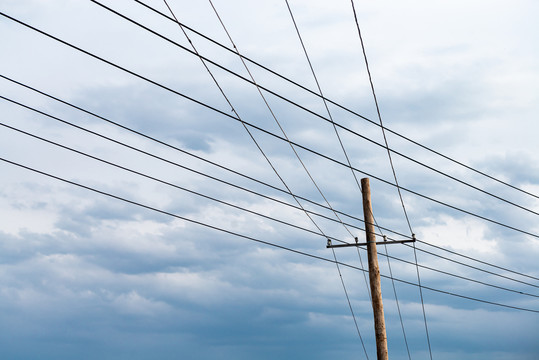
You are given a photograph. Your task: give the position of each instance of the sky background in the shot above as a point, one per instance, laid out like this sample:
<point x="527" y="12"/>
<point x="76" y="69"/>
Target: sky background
<point x="84" y="275"/>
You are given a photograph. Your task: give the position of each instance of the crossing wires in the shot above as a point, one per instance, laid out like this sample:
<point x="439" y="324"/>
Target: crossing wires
<point x="398" y="189"/>
<point x="442" y="265"/>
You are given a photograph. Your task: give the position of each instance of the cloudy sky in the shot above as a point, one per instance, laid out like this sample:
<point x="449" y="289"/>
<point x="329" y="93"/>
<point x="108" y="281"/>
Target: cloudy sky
<point x="181" y="241"/>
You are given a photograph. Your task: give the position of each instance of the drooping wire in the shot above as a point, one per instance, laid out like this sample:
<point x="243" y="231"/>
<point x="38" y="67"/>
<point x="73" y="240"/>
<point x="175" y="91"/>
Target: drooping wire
<point x="229" y="204"/>
<point x="348" y="160"/>
<point x="306" y="170"/>
<point x="394" y="176"/>
<point x="330" y="117"/>
<point x="263" y="130"/>
<point x="242" y="122"/>
<point x="349" y="303"/>
<point x="284" y="133"/>
<point x="153" y="178"/>
<point x="341" y="106"/>
<point x="253" y="179"/>
<point x="258" y="240"/>
<point x="246" y="210"/>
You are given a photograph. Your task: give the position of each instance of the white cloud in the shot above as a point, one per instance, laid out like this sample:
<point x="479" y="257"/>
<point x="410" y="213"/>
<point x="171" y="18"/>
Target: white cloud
<point x="80" y="263"/>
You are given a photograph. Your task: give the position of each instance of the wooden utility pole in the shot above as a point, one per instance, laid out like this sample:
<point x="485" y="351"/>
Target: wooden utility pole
<point x="374" y="274"/>
<point x="374" y="270"/>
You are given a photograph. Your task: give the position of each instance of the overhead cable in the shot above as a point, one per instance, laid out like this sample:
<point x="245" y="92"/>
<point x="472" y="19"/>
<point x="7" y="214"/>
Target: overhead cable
<point x="205" y="59"/>
<point x="241" y="174"/>
<point x="241" y="208"/>
<point x="254" y="239"/>
<point x="399" y="192"/>
<point x="302" y="164"/>
<point x="274" y="135"/>
<point x="342" y="106"/>
<point x="153" y="178"/>
<point x="270" y="163"/>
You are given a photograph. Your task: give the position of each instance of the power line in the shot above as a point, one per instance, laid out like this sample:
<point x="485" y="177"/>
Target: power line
<point x="305" y="169"/>
<point x="240" y="187"/>
<point x="330" y="117"/>
<point x="341" y="106"/>
<point x="274" y="135"/>
<point x="479" y="261"/>
<point x="335" y="124"/>
<point x="326" y="119"/>
<point x="349" y="303"/>
<point x="476" y="268"/>
<point x="397" y="185"/>
<point x="380" y="118"/>
<point x="257" y="240"/>
<point x="198" y="157"/>
<point x="302" y="164"/>
<point x="397" y="302"/>
<point x="457" y="276"/>
<point x="243" y="123"/>
<point x="275" y="118"/>
<point x="244" y="209"/>
<point x="173" y="163"/>
<point x="167" y="183"/>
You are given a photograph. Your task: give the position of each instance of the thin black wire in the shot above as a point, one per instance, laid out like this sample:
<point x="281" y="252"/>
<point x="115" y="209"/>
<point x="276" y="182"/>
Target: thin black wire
<point x="309" y="175"/>
<point x="275" y="170"/>
<point x="397" y="302"/>
<point x="167" y="183"/>
<point x="157" y="84"/>
<point x="330" y="119"/>
<point x="258" y="240"/>
<point x="255" y="213"/>
<point x="396" y="183"/>
<point x="157" y="179"/>
<point x="237" y="173"/>
<point x="348" y="161"/>
<point x="314" y="113"/>
<point x="179" y="165"/>
<point x="304" y="167"/>
<point x="242" y="122"/>
<point x="186" y="153"/>
<point x="349" y="303"/>
<point x="432" y="269"/>
<point x="380" y="117"/>
<point x="275" y="117"/>
<point x="422" y="303"/>
<point x="326" y="119"/>
<point x="244" y="209"/>
<point x="274" y="135"/>
<point x="476" y="268"/>
<point x="321" y="93"/>
<point x="479" y="261"/>
<point x="341" y="106"/>
<point x="457" y="276"/>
